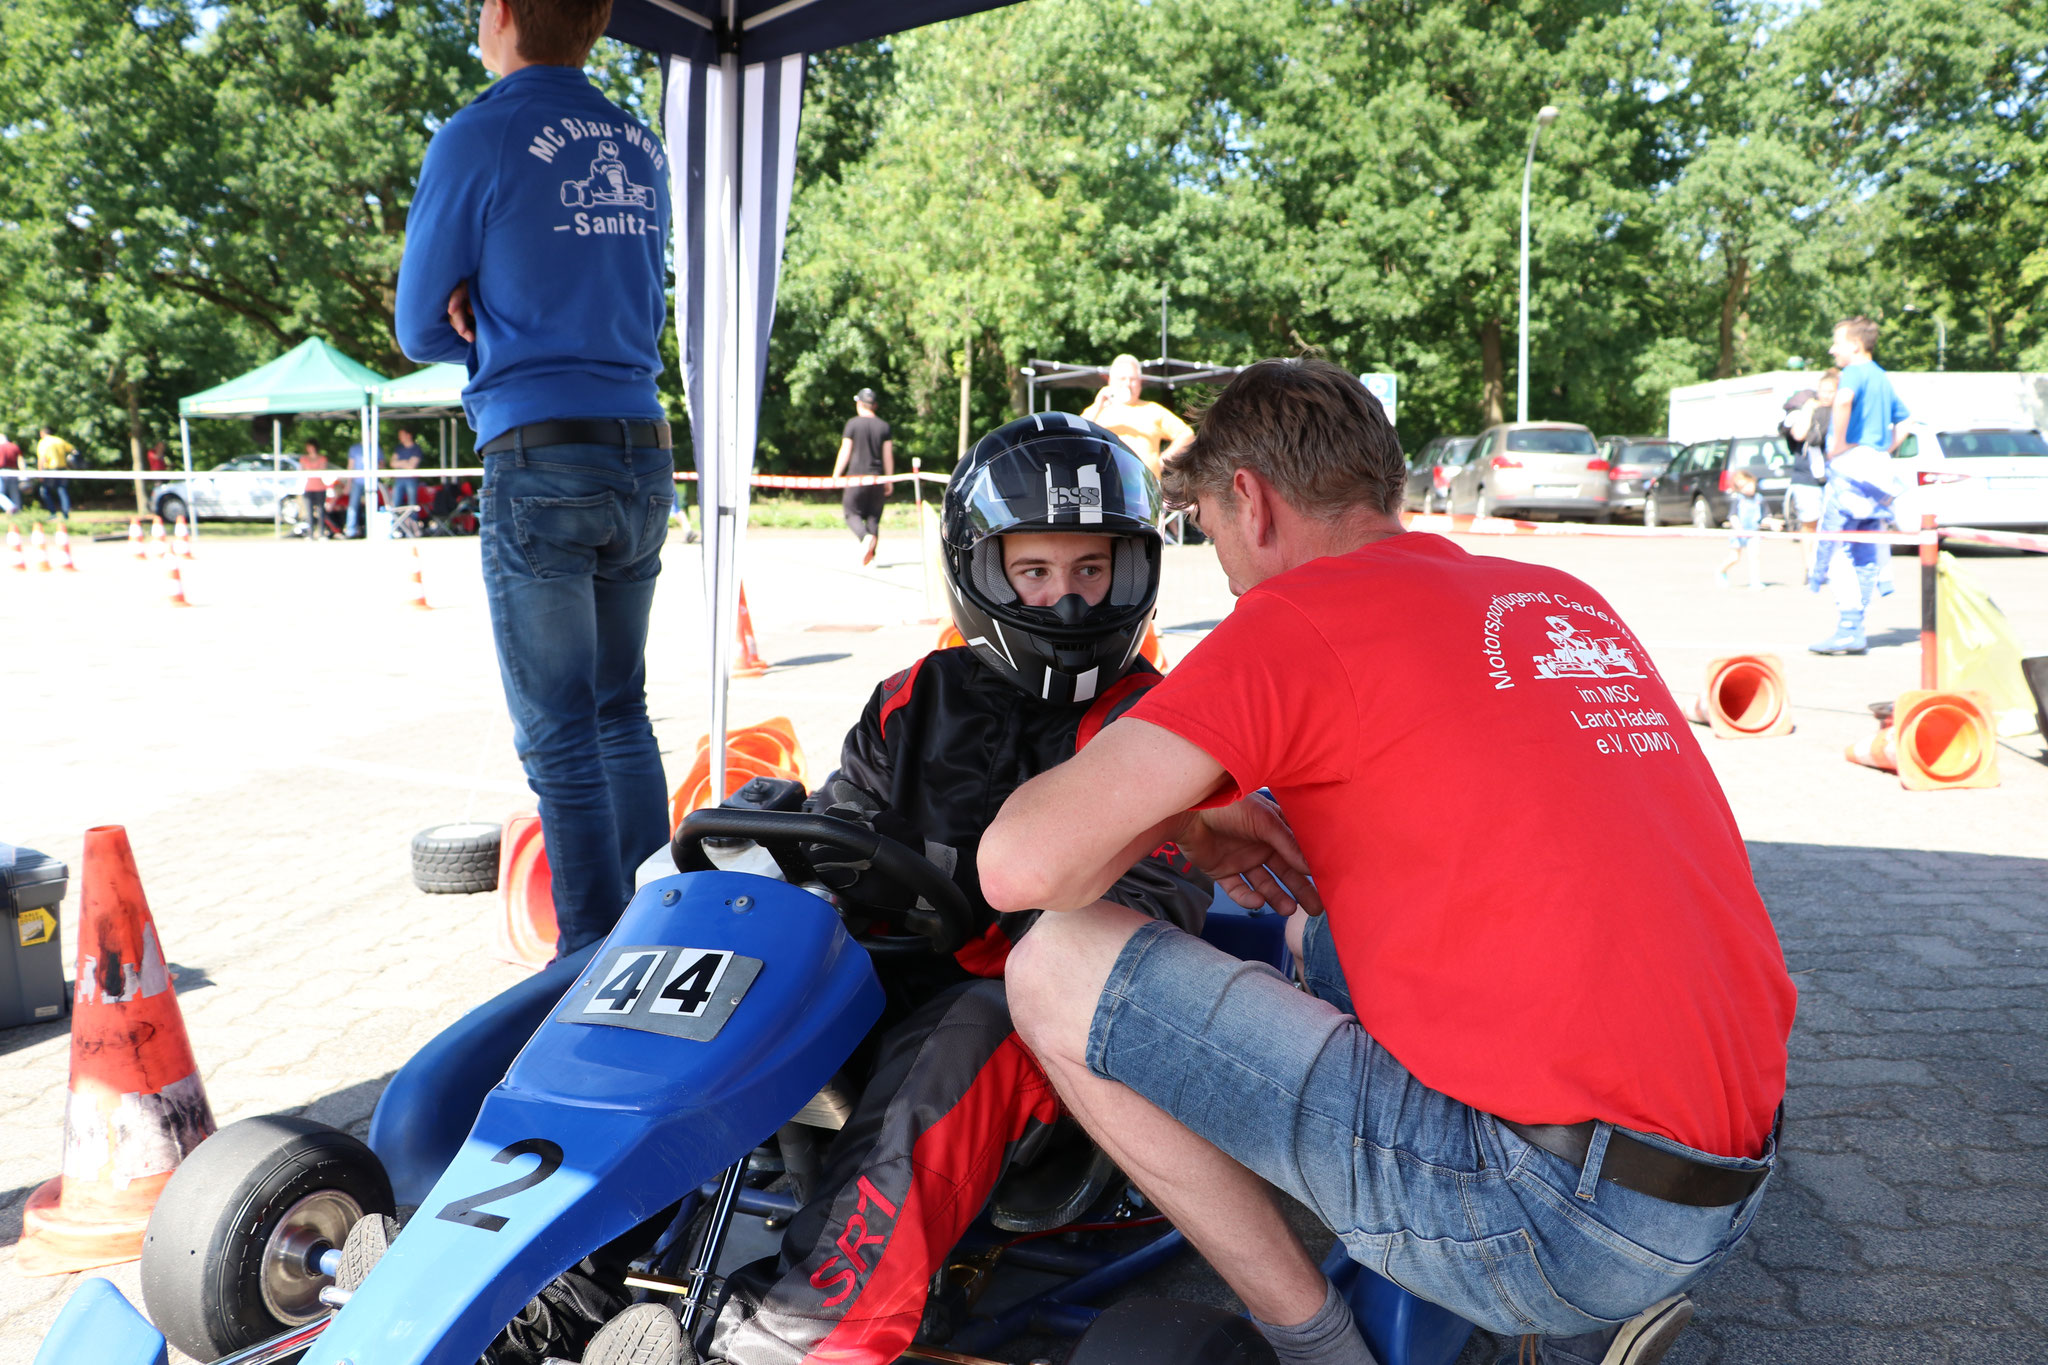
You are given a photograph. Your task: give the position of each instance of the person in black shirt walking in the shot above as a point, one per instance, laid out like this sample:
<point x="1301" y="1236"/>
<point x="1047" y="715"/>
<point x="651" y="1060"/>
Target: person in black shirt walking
<point x="865" y="448"/>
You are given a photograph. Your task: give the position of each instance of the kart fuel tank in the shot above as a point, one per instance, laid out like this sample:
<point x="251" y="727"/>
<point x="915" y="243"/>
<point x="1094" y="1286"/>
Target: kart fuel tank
<point x="720" y="1004"/>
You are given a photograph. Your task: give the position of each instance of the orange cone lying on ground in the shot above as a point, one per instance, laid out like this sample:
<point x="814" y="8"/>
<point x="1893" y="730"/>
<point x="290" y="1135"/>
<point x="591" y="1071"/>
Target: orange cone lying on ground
<point x="176" y="595"/>
<point x="526" y="895"/>
<point x="768" y="749"/>
<point x="137" y="1105"/>
<point x="419" y="587"/>
<point x="41" y="546"/>
<point x="1875" y="752"/>
<point x="1945" y="739"/>
<point x="17" y="558"/>
<point x="135" y="542"/>
<point x="64" y="559"/>
<point x="1745" y="697"/>
<point x="526" y="888"/>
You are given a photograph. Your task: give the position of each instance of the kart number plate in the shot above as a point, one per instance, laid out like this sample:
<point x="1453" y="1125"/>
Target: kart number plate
<point x="683" y="992"/>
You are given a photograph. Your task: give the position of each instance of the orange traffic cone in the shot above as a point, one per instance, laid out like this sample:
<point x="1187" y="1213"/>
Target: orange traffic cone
<point x="41" y="545"/>
<point x="419" y="587"/>
<point x="136" y="546"/>
<point x="1945" y="739"/>
<point x="1745" y="698"/>
<point x="158" y="546"/>
<point x="751" y="664"/>
<point x="1875" y="752"/>
<point x="526" y="895"/>
<point x="184" y="539"/>
<point x="137" y="1105"/>
<point x="17" y="558"/>
<point x="176" y="597"/>
<point x="769" y="749"/>
<point x="64" y="559"/>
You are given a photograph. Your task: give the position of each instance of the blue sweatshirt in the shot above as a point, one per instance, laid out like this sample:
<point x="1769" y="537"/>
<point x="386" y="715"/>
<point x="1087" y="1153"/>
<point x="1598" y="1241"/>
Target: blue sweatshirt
<point x="553" y="205"/>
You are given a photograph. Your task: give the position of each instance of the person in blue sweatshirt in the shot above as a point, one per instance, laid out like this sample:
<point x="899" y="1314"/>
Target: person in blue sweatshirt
<point x="533" y="255"/>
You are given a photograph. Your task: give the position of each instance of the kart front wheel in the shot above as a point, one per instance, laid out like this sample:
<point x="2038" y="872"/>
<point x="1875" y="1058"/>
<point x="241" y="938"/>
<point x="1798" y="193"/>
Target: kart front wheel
<point x="229" y="1257"/>
<point x="1170" y="1332"/>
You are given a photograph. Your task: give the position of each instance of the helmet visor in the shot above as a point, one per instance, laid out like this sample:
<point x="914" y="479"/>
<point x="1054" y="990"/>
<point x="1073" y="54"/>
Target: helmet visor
<point x="1058" y="484"/>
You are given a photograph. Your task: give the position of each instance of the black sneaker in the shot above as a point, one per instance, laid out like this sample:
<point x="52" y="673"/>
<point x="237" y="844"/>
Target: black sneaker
<point x="645" y="1334"/>
<point x="367" y="1242"/>
<point x="560" y="1321"/>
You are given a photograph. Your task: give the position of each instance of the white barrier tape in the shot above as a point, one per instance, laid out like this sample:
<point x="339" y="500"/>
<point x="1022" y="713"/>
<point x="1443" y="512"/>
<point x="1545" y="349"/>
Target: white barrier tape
<point x="2011" y="540"/>
<point x="1503" y="526"/>
<point x="824" y="481"/>
<point x="434" y="474"/>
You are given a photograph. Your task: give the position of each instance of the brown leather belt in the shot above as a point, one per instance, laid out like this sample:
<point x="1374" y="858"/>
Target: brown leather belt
<point x="1640" y="1167"/>
<point x="643" y="435"/>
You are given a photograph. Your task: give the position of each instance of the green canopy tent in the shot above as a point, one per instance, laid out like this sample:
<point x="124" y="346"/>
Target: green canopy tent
<point x="434" y="392"/>
<point x="312" y="379"/>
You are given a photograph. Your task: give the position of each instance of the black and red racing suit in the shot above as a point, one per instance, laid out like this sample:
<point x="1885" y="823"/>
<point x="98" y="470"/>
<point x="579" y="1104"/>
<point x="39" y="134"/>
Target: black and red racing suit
<point x="950" y="1090"/>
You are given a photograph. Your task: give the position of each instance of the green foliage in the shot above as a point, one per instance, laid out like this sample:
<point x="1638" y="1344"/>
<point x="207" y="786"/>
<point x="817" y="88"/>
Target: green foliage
<point x="192" y="189"/>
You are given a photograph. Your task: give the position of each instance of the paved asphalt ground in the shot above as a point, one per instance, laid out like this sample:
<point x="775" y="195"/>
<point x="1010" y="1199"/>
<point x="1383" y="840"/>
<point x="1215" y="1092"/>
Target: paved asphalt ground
<point x="273" y="749"/>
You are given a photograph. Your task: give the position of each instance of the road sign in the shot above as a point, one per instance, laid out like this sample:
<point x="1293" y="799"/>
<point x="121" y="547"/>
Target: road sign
<point x="1382" y="387"/>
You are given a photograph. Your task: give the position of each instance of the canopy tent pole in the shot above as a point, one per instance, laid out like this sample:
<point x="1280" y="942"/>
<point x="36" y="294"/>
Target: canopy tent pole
<point x="277" y="470"/>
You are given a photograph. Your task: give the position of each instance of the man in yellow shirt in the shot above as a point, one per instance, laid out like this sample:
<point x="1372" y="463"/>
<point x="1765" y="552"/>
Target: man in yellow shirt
<point x="1144" y="427"/>
<point x="54" y="452"/>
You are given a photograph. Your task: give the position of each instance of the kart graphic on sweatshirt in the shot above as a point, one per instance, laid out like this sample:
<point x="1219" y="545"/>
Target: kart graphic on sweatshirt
<point x="1579" y="656"/>
<point x="608" y="185"/>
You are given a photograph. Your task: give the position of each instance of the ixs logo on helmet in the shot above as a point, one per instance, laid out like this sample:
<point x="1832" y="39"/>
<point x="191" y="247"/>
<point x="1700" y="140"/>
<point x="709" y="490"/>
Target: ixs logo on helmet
<point x="843" y="1270"/>
<point x="1072" y="499"/>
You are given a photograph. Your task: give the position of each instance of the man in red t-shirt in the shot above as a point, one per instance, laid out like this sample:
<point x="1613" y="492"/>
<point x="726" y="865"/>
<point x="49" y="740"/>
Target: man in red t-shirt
<point x="1537" y="1073"/>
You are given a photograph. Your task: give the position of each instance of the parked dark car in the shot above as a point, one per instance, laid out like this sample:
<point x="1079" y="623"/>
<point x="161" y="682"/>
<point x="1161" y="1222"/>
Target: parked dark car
<point x="1633" y="464"/>
<point x="1430" y="470"/>
<point x="1694" y="486"/>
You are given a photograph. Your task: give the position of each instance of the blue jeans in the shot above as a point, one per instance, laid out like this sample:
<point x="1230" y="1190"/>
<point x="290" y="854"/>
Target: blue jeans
<point x="572" y="538"/>
<point x="405" y="491"/>
<point x="1440" y="1198"/>
<point x="355" y="508"/>
<point x="55" y="495"/>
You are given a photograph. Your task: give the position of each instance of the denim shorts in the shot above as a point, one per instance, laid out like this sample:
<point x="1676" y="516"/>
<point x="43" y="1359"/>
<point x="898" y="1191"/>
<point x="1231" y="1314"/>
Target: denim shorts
<point x="1440" y="1198"/>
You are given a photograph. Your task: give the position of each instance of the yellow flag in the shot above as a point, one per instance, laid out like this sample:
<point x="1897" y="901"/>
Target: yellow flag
<point x="1978" y="649"/>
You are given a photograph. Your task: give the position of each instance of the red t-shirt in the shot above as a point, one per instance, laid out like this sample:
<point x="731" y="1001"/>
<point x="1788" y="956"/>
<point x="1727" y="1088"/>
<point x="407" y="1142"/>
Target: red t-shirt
<point x="1536" y="888"/>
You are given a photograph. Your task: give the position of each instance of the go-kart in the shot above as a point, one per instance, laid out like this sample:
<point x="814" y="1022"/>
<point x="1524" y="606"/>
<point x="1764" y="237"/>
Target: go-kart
<point x="652" y="1076"/>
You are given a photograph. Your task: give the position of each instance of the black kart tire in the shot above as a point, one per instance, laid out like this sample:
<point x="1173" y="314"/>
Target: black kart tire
<point x="1170" y="1332"/>
<point x="224" y="1260"/>
<point x="456" y="859"/>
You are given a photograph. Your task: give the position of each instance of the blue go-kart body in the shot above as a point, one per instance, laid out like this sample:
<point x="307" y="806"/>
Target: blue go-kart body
<point x="721" y="1004"/>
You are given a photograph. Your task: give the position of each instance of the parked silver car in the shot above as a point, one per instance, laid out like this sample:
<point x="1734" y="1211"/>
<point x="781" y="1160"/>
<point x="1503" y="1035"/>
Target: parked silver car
<point x="244" y="497"/>
<point x="1550" y="467"/>
<point x="1430" y="471"/>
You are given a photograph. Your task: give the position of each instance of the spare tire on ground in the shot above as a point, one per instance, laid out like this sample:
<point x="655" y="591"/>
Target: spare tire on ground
<point x="456" y="858"/>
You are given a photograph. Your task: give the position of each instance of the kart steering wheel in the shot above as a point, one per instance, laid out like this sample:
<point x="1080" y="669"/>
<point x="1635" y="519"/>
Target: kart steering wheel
<point x="949" y="924"/>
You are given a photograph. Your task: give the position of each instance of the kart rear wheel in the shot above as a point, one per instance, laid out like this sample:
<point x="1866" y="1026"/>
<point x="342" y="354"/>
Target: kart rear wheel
<point x="227" y="1259"/>
<point x="457" y="859"/>
<point x="1170" y="1332"/>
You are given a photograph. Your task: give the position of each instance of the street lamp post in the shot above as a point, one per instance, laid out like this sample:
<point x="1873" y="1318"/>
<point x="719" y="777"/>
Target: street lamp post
<point x="1544" y="116"/>
<point x="1940" y="335"/>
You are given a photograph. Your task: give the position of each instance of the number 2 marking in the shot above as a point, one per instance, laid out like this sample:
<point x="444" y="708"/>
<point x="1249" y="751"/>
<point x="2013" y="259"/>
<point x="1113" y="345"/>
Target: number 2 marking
<point x="464" y="1210"/>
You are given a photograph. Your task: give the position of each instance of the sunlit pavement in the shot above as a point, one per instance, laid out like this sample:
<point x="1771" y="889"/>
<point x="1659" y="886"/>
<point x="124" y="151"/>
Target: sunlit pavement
<point x="273" y="748"/>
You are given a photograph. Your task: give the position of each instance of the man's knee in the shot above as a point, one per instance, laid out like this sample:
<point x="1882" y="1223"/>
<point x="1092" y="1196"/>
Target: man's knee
<point x="1057" y="972"/>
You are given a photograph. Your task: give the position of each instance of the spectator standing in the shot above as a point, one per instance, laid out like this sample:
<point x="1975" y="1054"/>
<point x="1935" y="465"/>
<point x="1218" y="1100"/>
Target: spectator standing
<point x="353" y="527"/>
<point x="1151" y="430"/>
<point x="406" y="488"/>
<point x="1861" y="485"/>
<point x="314" y="494"/>
<point x="1746" y="513"/>
<point x="1805" y="430"/>
<point x="560" y="327"/>
<point x="865" y="448"/>
<point x="10" y="476"/>
<point x="53" y="453"/>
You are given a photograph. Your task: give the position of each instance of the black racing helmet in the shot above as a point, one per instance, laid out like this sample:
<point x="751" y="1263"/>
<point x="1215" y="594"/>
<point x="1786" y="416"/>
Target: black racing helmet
<point x="1052" y="472"/>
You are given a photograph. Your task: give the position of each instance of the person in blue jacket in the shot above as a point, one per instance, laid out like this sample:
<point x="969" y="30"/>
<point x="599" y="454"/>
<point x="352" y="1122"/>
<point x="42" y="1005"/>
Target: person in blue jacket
<point x="533" y="255"/>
